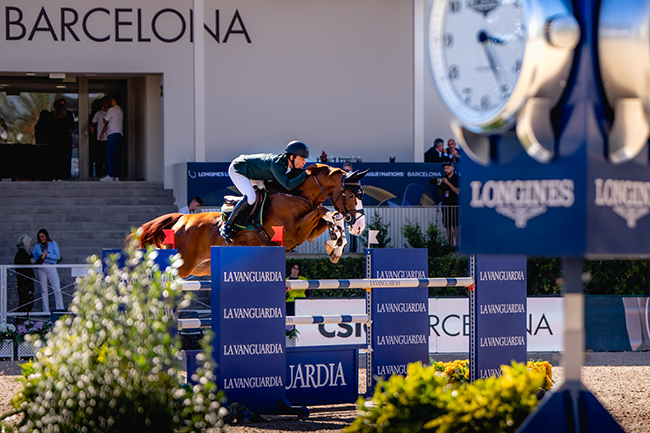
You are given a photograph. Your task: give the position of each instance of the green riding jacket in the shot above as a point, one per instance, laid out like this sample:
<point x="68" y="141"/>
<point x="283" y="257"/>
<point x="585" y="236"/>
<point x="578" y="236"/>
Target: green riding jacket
<point x="268" y="166"/>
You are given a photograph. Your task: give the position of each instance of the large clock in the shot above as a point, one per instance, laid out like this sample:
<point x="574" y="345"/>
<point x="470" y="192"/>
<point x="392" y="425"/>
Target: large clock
<point x="500" y="63"/>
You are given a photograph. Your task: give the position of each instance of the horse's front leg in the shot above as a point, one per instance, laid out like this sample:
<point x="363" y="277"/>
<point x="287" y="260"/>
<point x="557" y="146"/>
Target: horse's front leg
<point x="337" y="241"/>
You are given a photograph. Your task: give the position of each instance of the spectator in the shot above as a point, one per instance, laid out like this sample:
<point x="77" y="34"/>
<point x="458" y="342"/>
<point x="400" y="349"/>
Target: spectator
<point x="453" y="153"/>
<point x="62" y="126"/>
<point x="25" y="276"/>
<point x="192" y="205"/>
<point x="436" y="153"/>
<point x="448" y="191"/>
<point x="43" y="128"/>
<point x="98" y="151"/>
<point x="347" y="167"/>
<point x="112" y="133"/>
<point x="47" y="252"/>
<point x="292" y="294"/>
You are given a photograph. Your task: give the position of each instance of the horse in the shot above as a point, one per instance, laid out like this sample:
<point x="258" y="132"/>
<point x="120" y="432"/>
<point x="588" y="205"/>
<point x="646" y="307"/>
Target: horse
<point x="300" y="212"/>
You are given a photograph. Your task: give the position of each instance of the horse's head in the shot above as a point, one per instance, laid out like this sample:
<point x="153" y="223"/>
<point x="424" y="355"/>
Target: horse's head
<point x="352" y="196"/>
<point x="344" y="191"/>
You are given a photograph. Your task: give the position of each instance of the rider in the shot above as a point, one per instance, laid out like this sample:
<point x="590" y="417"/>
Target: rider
<point x="263" y="166"/>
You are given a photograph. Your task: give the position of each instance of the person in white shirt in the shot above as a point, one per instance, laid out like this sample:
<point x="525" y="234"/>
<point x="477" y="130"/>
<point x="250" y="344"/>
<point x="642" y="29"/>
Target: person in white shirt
<point x="191" y="207"/>
<point x="99" y="152"/>
<point x="113" y="131"/>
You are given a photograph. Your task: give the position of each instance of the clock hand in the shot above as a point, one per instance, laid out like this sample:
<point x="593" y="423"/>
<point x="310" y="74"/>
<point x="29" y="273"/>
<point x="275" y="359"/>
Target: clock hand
<point x="484" y="38"/>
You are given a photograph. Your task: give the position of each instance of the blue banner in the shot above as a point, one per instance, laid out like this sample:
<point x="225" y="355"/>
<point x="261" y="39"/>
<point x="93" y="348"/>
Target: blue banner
<point x="248" y="322"/>
<point x="323" y="374"/>
<point x="400" y="317"/>
<point x="497" y="314"/>
<point x="163" y="259"/>
<point x="387" y="184"/>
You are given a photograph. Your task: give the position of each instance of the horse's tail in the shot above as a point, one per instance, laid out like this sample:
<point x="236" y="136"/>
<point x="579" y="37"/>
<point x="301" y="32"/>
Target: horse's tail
<point x="152" y="231"/>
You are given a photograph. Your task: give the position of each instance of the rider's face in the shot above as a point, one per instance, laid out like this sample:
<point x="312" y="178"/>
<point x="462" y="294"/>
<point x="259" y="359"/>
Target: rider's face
<point x="298" y="161"/>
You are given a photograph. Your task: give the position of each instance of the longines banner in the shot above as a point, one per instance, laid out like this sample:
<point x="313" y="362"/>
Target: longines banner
<point x="399" y="317"/>
<point x="448" y="324"/>
<point x="387" y="184"/>
<point x="248" y="315"/>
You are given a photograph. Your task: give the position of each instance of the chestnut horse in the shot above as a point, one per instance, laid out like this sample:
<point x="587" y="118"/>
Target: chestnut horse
<point x="300" y="212"/>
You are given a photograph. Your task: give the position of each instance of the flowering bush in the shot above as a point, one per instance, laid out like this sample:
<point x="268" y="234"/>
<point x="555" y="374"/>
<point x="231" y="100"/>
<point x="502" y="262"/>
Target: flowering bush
<point x="37" y="329"/>
<point x="458" y="371"/>
<point x="544" y="367"/>
<point x="7" y="331"/>
<point x="425" y="400"/>
<point x="112" y="365"/>
<point x="291" y="331"/>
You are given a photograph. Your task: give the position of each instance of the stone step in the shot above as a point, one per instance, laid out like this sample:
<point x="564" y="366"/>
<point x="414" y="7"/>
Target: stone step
<point x="83" y="201"/>
<point x="76" y="185"/>
<point x="84" y="213"/>
<point x="82" y="193"/>
<point x="82" y="217"/>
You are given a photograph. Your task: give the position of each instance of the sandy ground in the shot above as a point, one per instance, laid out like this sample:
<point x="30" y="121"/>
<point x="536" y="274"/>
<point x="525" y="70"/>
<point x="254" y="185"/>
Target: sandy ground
<point x="620" y="381"/>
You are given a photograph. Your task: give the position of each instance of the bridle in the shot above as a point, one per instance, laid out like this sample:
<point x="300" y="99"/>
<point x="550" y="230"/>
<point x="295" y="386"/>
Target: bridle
<point x="349" y="215"/>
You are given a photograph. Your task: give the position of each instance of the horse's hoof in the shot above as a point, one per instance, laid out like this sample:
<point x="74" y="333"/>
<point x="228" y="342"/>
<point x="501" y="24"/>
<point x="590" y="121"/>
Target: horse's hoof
<point x="328" y="249"/>
<point x="334" y="258"/>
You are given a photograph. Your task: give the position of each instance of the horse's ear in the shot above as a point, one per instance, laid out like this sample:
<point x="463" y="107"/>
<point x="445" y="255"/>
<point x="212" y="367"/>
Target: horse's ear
<point x="357" y="176"/>
<point x="351" y="176"/>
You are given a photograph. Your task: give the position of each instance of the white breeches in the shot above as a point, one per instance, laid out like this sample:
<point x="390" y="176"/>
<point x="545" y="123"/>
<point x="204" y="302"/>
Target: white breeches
<point x="51" y="274"/>
<point x="243" y="184"/>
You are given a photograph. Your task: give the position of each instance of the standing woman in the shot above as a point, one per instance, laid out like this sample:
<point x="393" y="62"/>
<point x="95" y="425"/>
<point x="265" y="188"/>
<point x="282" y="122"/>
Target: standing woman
<point x="25" y="276"/>
<point x="47" y="252"/>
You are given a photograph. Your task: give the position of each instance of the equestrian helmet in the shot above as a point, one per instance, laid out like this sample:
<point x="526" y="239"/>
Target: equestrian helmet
<point x="297" y="148"/>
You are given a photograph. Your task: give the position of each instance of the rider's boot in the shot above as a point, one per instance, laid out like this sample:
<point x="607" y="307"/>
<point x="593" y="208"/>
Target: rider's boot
<point x="237" y="216"/>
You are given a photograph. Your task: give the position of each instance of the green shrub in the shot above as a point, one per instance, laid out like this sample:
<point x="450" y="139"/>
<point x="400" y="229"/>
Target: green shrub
<point x="424" y="400"/>
<point x="111" y="366"/>
<point x="433" y="240"/>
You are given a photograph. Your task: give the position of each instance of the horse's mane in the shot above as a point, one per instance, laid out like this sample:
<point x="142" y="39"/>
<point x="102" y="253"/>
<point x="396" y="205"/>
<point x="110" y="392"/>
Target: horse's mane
<point x="319" y="168"/>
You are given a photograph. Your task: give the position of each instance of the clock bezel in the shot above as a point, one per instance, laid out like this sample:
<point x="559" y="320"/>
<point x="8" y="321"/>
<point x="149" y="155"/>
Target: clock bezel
<point x="544" y="68"/>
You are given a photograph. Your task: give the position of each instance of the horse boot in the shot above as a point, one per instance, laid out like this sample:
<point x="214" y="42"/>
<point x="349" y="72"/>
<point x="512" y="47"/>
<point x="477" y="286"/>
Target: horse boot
<point x="238" y="214"/>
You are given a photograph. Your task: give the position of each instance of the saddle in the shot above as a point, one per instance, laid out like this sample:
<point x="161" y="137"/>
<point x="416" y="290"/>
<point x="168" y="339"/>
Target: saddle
<point x="252" y="221"/>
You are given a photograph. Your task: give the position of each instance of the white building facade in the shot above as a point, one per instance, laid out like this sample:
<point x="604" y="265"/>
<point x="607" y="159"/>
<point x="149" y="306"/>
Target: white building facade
<point x="348" y="77"/>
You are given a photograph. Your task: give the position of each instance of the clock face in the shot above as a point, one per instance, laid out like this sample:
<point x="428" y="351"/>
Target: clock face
<point x="476" y="50"/>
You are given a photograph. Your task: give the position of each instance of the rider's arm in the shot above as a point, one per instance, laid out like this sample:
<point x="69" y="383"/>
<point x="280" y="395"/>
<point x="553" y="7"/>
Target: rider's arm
<point x="280" y="175"/>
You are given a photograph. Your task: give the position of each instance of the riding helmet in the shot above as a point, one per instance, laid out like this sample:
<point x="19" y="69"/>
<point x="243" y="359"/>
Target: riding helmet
<point x="297" y="148"/>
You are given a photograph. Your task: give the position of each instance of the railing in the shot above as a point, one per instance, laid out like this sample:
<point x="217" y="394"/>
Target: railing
<point x="9" y="304"/>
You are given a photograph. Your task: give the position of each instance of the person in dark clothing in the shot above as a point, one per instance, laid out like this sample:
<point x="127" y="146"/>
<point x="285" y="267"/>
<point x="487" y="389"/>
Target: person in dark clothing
<point x="43" y="128"/>
<point x="263" y="166"/>
<point x="448" y="190"/>
<point x="62" y="126"/>
<point x="436" y="153"/>
<point x="25" y="276"/>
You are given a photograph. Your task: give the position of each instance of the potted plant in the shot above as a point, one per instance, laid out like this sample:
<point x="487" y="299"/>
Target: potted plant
<point x="291" y="335"/>
<point x="8" y="336"/>
<point x="35" y="331"/>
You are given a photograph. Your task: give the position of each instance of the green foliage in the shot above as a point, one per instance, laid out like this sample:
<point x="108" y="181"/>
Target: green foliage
<point x="448" y="266"/>
<point x="425" y="401"/>
<point x="434" y="240"/>
<point x="376" y="223"/>
<point x="323" y="269"/>
<point x="543" y="276"/>
<point x="111" y="366"/>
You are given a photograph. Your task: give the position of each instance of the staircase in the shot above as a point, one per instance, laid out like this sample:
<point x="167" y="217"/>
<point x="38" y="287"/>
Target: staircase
<point x="82" y="217"/>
